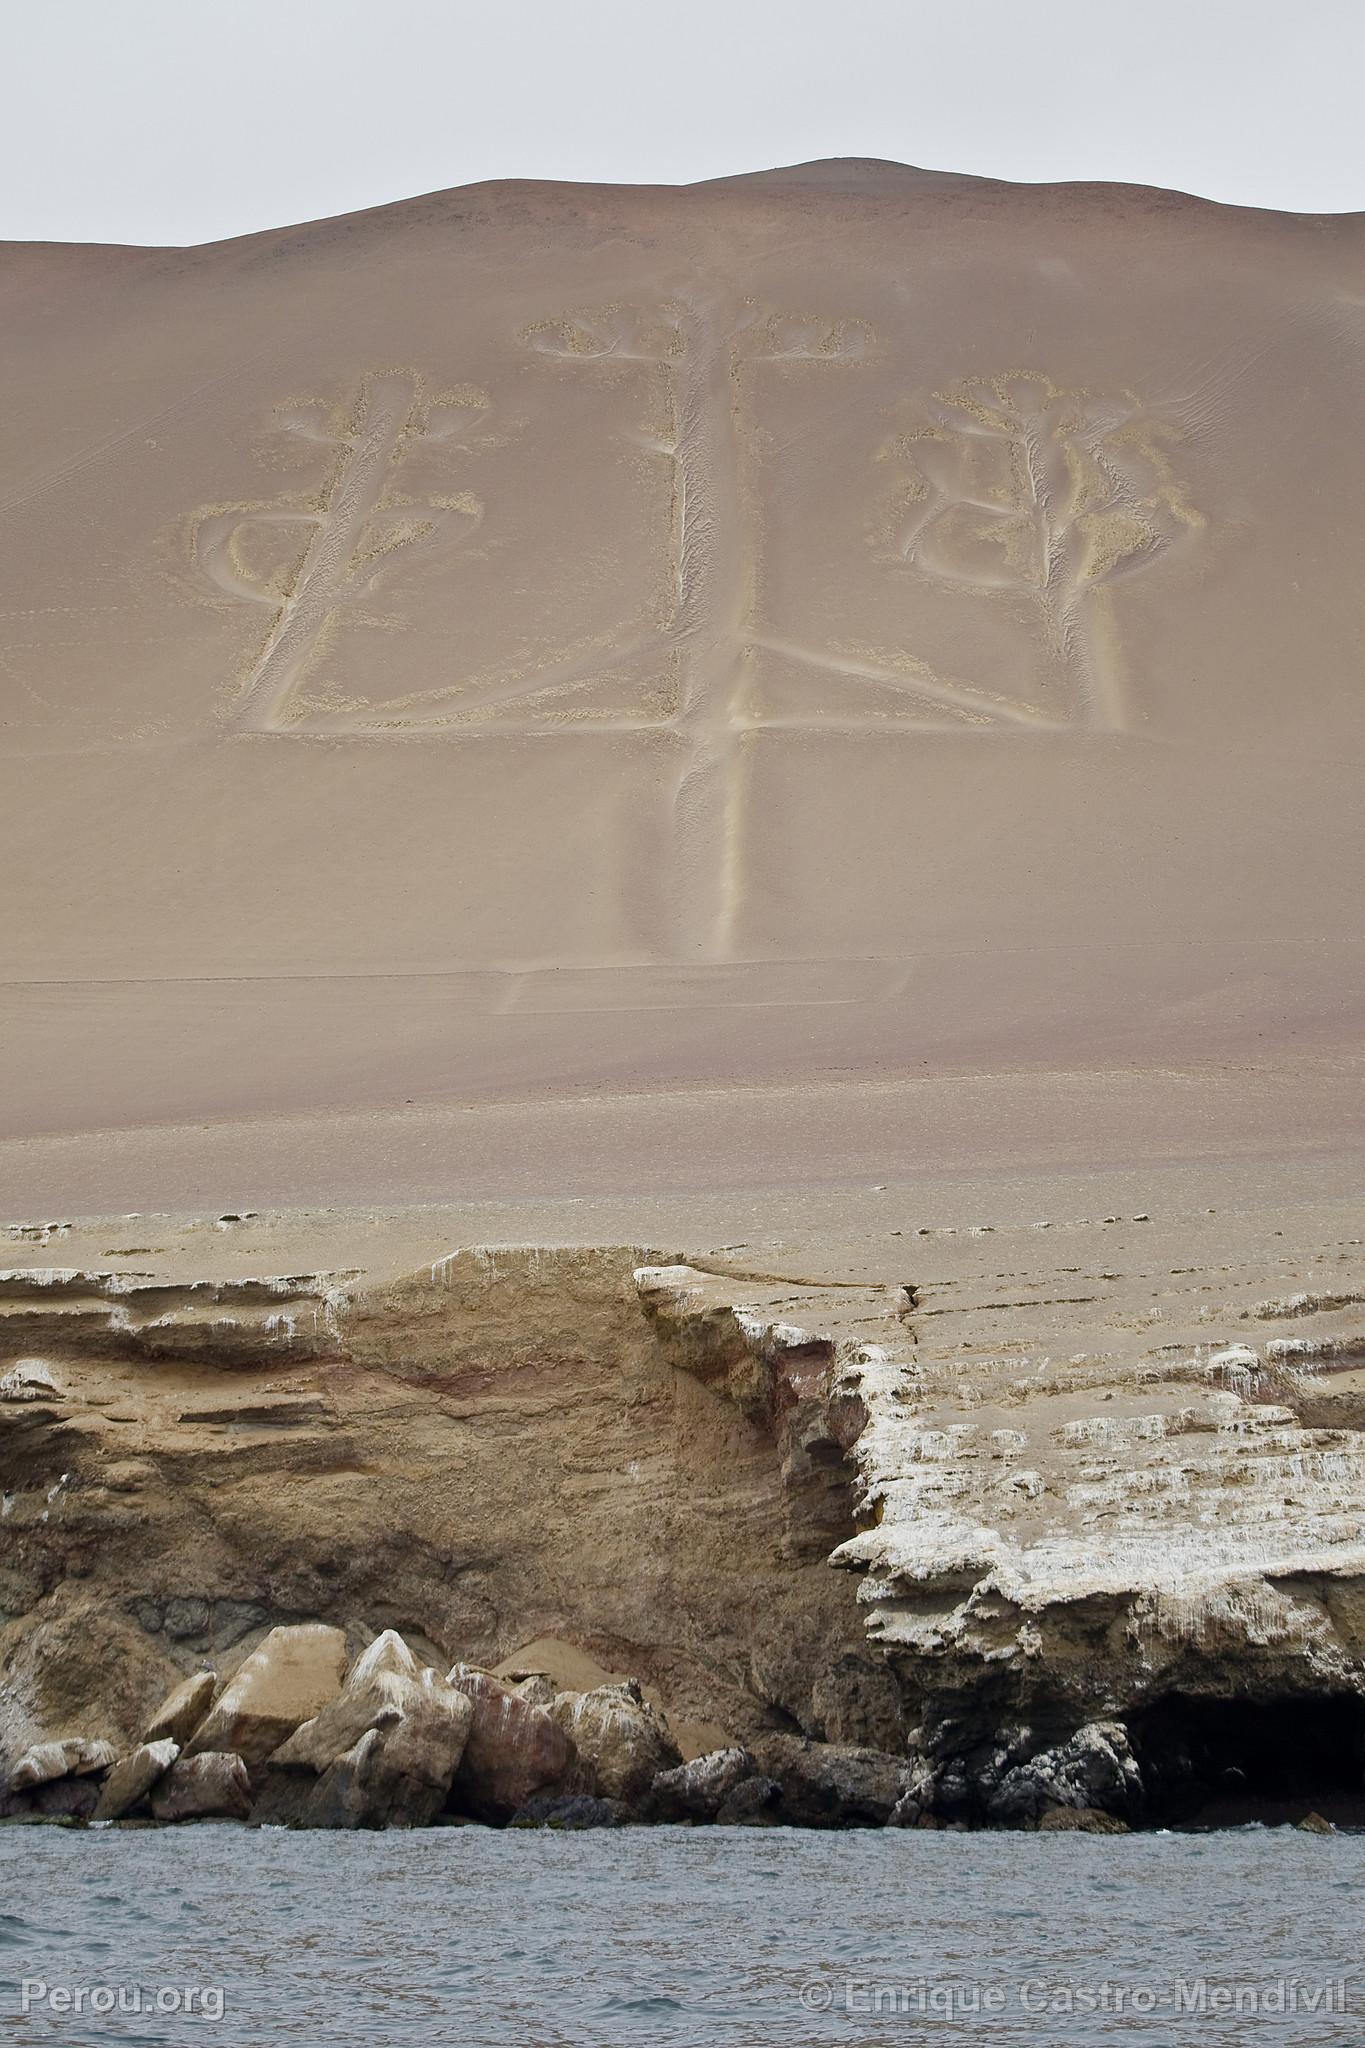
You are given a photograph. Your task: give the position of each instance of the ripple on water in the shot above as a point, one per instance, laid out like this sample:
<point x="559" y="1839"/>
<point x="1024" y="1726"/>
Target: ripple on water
<point x="664" y="1936"/>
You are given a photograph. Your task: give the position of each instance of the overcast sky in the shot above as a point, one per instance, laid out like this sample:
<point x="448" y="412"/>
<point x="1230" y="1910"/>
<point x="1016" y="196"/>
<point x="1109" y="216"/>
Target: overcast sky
<point x="177" y="121"/>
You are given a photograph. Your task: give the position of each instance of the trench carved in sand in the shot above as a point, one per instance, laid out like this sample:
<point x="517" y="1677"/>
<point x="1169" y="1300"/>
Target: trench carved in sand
<point x="1016" y="486"/>
<point x="1011" y="486"/>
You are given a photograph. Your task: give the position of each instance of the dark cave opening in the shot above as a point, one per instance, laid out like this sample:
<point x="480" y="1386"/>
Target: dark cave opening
<point x="1218" y="1762"/>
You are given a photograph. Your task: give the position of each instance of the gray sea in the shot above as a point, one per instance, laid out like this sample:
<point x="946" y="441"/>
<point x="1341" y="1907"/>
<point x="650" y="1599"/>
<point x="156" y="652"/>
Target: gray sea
<point x="219" y="1935"/>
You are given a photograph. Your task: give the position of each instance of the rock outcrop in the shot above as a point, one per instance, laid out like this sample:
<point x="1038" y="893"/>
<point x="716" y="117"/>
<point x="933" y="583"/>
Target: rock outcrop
<point x="138" y="1315"/>
<point x="446" y="1449"/>
<point x="696" y="1790"/>
<point x="382" y="1753"/>
<point x="1068" y="1483"/>
<point x="1128" y="1538"/>
<point x="211" y="1785"/>
<point x="830" y="1785"/>
<point x="623" y="1742"/>
<point x="70" y="1665"/>
<point x="398" y="1775"/>
<point x="286" y="1680"/>
<point x="514" y="1750"/>
<point x="181" y="1712"/>
<point x="131" y="1779"/>
<point x="1094" y="1769"/>
<point x="754" y="1803"/>
<point x="77" y="1757"/>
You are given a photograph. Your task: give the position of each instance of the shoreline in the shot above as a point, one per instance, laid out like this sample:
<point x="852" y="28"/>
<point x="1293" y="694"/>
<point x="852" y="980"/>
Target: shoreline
<point x="1088" y="1481"/>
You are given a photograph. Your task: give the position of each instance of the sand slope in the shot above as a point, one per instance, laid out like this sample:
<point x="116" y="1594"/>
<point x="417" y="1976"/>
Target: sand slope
<point x="810" y="633"/>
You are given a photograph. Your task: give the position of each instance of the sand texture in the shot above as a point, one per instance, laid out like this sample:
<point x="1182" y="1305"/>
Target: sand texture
<point x="772" y="683"/>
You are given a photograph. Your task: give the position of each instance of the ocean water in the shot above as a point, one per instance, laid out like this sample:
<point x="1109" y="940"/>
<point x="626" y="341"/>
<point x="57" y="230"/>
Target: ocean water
<point x="674" y="1935"/>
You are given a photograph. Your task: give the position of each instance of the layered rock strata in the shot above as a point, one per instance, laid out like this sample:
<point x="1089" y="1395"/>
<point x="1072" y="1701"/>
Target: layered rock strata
<point x="1097" y="1514"/>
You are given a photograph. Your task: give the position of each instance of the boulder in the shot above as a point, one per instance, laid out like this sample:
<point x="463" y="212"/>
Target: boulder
<point x="514" y="1750"/>
<point x="283" y="1798"/>
<point x="697" y="1790"/>
<point x="369" y="1692"/>
<point x="420" y="1753"/>
<point x="538" y="1689"/>
<point x="180" y="1713"/>
<point x="76" y="1757"/>
<point x="343" y="1796"/>
<point x="754" y="1803"/>
<point x="133" y="1778"/>
<point x="287" y="1679"/>
<point x="395" y="1776"/>
<point x="1094" y="1768"/>
<point x="1081" y="1820"/>
<point x="402" y="1780"/>
<point x="211" y="1785"/>
<point x="572" y="1812"/>
<point x="619" y="1736"/>
<point x="384" y="1683"/>
<point x="1315" y="1824"/>
<point x="833" y="1785"/>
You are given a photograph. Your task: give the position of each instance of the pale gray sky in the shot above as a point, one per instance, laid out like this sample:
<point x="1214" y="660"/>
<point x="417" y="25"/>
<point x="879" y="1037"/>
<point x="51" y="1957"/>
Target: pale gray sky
<point x="177" y="121"/>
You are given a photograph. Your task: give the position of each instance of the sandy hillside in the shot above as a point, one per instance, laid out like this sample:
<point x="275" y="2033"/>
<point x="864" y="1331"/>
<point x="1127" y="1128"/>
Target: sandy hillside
<point x="809" y="679"/>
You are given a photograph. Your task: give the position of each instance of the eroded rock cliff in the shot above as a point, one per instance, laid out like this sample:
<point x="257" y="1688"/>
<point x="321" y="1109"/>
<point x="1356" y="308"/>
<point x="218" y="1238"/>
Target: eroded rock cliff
<point x="1097" y="1491"/>
<point x="495" y="1450"/>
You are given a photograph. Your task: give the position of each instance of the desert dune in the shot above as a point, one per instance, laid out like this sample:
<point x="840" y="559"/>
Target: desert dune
<point x="687" y="866"/>
<point x="820" y="631"/>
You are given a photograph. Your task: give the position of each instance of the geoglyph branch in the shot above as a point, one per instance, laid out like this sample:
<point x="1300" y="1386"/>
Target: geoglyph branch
<point x="1018" y="486"/>
<point x="360" y="528"/>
